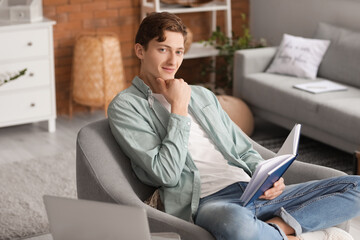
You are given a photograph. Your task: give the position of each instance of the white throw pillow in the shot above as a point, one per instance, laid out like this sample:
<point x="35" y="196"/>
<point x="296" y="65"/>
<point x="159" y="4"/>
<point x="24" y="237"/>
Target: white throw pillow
<point x="298" y="56"/>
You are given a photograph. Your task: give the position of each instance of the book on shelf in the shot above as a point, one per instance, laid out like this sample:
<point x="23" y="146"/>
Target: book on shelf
<point x="271" y="170"/>
<point x="320" y="86"/>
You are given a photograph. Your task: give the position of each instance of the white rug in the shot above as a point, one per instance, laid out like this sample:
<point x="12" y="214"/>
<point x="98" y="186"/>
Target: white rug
<point x="22" y="185"/>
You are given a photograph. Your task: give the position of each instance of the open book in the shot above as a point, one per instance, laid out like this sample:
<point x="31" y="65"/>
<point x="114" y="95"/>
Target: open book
<point x="269" y="171"/>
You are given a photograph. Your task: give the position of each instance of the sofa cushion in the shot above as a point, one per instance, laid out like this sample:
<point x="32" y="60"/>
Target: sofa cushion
<point x="342" y="115"/>
<point x="335" y="111"/>
<point x="342" y="60"/>
<point x="298" y="56"/>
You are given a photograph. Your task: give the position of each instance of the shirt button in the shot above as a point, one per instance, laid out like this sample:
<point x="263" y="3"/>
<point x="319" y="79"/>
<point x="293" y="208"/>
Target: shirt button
<point x="188" y="123"/>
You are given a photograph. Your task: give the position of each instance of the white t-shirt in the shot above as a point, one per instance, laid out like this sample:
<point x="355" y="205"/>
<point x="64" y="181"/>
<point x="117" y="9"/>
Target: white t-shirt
<point x="215" y="172"/>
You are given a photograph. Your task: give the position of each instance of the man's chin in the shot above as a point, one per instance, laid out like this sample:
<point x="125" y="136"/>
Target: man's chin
<point x="167" y="76"/>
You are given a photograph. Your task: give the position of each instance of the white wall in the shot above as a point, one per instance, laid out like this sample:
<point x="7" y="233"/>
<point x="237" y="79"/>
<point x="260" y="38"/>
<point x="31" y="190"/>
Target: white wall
<point x="271" y="18"/>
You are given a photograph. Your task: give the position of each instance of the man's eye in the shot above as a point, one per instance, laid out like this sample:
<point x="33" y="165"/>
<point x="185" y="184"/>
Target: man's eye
<point x="162" y="50"/>
<point x="179" y="52"/>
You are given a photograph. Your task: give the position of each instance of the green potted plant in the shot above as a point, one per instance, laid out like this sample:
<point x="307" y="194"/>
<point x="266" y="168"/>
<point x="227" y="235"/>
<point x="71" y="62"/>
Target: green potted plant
<point x="227" y="47"/>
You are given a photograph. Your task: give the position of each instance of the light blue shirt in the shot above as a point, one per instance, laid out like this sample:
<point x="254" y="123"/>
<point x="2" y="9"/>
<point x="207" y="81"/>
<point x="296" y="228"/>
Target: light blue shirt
<point x="156" y="142"/>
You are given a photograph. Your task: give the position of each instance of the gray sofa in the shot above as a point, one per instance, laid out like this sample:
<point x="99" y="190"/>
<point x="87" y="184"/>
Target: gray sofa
<point x="332" y="118"/>
<point x="104" y="173"/>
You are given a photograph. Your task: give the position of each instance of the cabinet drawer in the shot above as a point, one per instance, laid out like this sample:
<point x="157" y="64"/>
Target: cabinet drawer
<point x="37" y="74"/>
<point x="24" y="105"/>
<point x="24" y="43"/>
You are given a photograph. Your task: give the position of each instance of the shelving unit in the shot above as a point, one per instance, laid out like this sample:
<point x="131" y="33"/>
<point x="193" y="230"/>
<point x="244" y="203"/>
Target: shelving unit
<point x="197" y="50"/>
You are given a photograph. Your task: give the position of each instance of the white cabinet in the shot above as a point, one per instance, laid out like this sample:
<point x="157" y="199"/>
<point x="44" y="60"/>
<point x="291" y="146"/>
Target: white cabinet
<point x="30" y="98"/>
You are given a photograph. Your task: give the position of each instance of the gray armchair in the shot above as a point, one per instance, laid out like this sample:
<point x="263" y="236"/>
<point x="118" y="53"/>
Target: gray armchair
<point x="104" y="174"/>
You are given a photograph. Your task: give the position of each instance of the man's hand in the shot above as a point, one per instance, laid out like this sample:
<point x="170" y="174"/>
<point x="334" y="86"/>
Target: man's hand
<point x="177" y="92"/>
<point x="275" y="191"/>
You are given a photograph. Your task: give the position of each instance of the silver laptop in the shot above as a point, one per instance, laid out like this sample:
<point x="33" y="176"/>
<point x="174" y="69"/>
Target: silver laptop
<point x="74" y="219"/>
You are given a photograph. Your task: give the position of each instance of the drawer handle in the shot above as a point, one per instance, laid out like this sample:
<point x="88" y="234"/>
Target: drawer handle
<point x="32" y="105"/>
<point x="30" y="44"/>
<point x="31" y="74"/>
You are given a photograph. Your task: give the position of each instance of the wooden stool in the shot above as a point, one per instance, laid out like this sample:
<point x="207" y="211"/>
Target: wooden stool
<point x="97" y="73"/>
<point x="239" y="112"/>
<point x="357" y="159"/>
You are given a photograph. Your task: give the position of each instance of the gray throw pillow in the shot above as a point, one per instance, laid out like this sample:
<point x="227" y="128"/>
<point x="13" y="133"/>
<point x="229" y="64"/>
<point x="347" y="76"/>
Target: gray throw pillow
<point x="341" y="62"/>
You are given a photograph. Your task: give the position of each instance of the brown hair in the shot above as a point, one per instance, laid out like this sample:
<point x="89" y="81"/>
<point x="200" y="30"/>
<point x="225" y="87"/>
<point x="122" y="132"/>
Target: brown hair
<point x="155" y="25"/>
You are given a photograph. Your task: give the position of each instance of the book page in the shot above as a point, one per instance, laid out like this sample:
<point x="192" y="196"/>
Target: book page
<point x="291" y="143"/>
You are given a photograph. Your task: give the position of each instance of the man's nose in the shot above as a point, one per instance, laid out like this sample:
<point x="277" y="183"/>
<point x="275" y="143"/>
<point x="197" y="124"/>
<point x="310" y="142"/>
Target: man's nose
<point x="172" y="58"/>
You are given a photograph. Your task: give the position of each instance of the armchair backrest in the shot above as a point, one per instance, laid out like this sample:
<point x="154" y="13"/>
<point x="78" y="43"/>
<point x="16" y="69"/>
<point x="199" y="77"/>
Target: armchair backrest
<point x="98" y="149"/>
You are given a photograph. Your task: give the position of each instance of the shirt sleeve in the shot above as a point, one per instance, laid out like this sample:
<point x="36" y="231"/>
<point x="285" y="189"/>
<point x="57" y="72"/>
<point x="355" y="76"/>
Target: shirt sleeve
<point x="157" y="162"/>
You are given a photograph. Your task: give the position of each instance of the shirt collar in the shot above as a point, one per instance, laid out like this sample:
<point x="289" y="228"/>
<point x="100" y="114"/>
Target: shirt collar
<point x="139" y="84"/>
<point x="145" y="89"/>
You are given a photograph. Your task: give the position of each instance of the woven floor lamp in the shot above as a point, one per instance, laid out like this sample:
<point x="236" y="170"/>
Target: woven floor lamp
<point x="98" y="72"/>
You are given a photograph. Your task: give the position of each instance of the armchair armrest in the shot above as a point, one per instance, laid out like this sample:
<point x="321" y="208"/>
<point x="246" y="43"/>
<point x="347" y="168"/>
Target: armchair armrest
<point x="163" y="222"/>
<point x="249" y="61"/>
<point x="299" y="171"/>
<point x="302" y="172"/>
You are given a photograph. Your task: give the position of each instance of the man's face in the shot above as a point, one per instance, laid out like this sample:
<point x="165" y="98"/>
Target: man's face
<point x="163" y="59"/>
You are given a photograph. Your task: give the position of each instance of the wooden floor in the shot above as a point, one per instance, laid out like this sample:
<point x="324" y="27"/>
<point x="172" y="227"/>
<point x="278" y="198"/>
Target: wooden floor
<point x="29" y="141"/>
<point x="24" y="142"/>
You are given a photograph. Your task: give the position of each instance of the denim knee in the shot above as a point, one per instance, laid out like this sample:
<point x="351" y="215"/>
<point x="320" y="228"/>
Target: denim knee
<point x="357" y="179"/>
<point x="228" y="221"/>
<point x="354" y="180"/>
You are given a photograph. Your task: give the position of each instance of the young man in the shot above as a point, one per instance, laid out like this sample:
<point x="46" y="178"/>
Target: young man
<point x="179" y="139"/>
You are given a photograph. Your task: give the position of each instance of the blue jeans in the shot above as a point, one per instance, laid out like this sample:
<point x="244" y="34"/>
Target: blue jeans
<point x="305" y="207"/>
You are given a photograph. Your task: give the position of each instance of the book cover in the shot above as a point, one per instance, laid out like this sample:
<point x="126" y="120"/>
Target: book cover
<point x="269" y="171"/>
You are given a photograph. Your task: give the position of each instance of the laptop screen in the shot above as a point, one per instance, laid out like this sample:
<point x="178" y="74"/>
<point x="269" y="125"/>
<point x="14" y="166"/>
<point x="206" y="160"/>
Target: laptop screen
<point x="89" y="220"/>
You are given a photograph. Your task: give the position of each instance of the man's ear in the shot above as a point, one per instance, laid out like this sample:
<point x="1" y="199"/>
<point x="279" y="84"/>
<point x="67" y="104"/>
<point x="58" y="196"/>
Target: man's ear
<point x="139" y="51"/>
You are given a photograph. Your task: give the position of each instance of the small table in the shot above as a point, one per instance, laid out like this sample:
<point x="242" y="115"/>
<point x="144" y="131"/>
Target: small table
<point x="357" y="156"/>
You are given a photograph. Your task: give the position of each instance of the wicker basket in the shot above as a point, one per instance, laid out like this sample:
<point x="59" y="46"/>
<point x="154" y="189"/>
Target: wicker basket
<point x="98" y="73"/>
<point x="188" y="3"/>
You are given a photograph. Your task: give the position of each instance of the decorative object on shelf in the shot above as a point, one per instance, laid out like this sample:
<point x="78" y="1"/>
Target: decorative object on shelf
<point x="227" y="46"/>
<point x="189" y="39"/>
<point x="9" y="76"/>
<point x="97" y="73"/>
<point x="187" y="3"/>
<point x="20" y="11"/>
